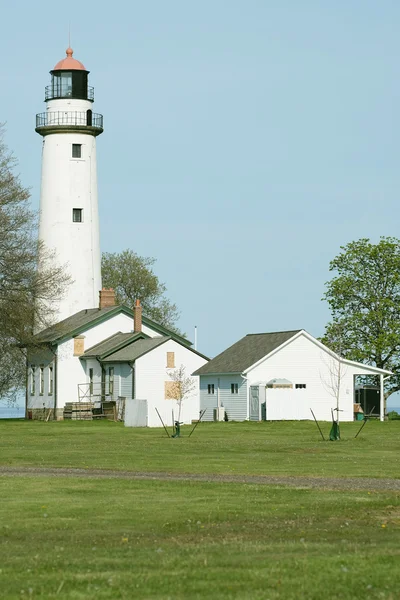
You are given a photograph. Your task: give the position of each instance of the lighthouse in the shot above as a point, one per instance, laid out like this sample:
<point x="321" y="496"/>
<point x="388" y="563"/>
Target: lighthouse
<point x="69" y="216"/>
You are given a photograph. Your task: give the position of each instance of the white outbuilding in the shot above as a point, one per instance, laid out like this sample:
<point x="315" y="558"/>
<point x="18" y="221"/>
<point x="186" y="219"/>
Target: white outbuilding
<point x="282" y="375"/>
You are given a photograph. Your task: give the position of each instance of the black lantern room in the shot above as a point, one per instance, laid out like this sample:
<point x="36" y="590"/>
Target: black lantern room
<point x="69" y="79"/>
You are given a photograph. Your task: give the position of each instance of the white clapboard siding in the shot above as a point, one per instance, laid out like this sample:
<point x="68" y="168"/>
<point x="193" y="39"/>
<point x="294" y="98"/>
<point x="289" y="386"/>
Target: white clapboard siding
<point x="303" y="361"/>
<point x="151" y="373"/>
<point x="235" y="405"/>
<point x="126" y="380"/>
<point x="208" y="402"/>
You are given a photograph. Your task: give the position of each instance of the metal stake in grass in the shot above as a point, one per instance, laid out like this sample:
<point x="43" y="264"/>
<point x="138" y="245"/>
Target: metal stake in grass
<point x="166" y="430"/>
<point x="322" y="435"/>
<point x="200" y="418"/>
<point x="366" y="417"/>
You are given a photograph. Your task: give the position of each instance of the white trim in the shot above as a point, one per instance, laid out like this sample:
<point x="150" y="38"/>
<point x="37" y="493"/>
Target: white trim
<point x="382" y="399"/>
<point x="366" y="367"/>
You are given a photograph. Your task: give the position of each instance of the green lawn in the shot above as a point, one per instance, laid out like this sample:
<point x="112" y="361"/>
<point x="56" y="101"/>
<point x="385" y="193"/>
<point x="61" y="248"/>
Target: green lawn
<point x="115" y="538"/>
<point x="277" y="448"/>
<point x="139" y="539"/>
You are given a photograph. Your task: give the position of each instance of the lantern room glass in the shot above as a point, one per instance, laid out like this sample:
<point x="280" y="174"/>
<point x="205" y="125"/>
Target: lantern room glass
<point x="62" y="84"/>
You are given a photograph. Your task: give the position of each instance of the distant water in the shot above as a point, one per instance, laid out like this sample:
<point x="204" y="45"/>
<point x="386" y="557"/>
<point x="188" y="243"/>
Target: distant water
<point x="12" y="412"/>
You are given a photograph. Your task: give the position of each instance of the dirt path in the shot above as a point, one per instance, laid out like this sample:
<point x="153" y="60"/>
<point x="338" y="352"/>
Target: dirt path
<point x="328" y="483"/>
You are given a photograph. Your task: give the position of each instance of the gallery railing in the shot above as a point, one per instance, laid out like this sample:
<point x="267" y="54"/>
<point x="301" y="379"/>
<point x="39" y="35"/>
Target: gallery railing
<point x="52" y="92"/>
<point x="79" y="118"/>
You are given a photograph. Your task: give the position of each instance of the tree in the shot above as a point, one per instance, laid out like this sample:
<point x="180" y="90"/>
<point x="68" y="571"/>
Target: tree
<point x="26" y="292"/>
<point x="183" y="386"/>
<point x="364" y="298"/>
<point x="132" y="278"/>
<point x="332" y="380"/>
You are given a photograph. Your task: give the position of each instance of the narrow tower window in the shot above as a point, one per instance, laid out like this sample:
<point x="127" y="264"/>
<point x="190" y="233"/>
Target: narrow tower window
<point x="91" y="382"/>
<point x="51" y="380"/>
<point x="76" y="150"/>
<point x="33" y="377"/>
<point x="41" y="380"/>
<point x="111" y="381"/>
<point x="77" y="216"/>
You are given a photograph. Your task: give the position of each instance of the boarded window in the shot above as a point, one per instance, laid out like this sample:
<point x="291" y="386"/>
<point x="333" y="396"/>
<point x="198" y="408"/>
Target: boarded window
<point x="79" y="345"/>
<point x="172" y="390"/>
<point x="170" y="360"/>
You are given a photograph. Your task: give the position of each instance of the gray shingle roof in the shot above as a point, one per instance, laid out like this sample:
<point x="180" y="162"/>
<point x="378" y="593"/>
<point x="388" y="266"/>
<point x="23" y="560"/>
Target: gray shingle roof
<point x="136" y="349"/>
<point x="245" y="352"/>
<point x="112" y="343"/>
<point x="71" y="324"/>
<point x="84" y="319"/>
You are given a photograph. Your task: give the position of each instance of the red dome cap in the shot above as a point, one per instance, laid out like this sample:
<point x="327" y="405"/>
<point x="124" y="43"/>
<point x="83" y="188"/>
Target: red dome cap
<point x="69" y="63"/>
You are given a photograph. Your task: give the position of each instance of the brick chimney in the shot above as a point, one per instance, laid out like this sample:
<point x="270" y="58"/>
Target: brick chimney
<point x="137" y="317"/>
<point x="106" y="298"/>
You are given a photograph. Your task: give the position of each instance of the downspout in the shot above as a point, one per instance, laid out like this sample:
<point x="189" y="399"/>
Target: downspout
<point x="247" y="396"/>
<point x="55" y="385"/>
<point x="26" y="387"/>
<point x="133" y="392"/>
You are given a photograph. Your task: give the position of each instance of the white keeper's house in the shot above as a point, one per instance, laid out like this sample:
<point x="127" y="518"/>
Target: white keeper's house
<point x="282" y="375"/>
<point x="108" y="353"/>
<point x="96" y="352"/>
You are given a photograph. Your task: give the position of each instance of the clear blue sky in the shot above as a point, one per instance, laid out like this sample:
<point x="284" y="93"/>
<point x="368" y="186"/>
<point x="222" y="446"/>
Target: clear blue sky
<point x="245" y="141"/>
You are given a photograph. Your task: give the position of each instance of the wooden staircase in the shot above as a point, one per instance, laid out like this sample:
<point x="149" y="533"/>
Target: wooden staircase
<point x="86" y="411"/>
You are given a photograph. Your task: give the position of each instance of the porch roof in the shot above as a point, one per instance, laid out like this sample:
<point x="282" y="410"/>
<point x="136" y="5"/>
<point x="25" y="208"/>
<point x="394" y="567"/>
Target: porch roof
<point x="135" y="349"/>
<point x="112" y="344"/>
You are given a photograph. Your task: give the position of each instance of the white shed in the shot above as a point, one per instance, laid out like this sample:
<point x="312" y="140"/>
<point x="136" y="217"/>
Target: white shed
<point x="282" y="375"/>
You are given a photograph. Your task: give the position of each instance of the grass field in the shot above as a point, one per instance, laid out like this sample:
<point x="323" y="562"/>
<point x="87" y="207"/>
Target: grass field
<point x="284" y="448"/>
<point x="91" y="538"/>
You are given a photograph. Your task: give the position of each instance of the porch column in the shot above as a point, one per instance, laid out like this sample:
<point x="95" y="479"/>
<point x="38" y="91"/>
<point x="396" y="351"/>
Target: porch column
<point x="382" y="406"/>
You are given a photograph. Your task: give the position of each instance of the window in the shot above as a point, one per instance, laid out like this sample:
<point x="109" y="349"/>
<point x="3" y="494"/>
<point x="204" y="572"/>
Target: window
<point x="33" y="377"/>
<point x="51" y="380"/>
<point x="62" y="85"/>
<point x="77" y="216"/>
<point x="211" y="388"/>
<point x="300" y="386"/>
<point x="41" y="380"/>
<point x="76" y="150"/>
<point x="111" y="381"/>
<point x="91" y="382"/>
<point x="234" y="388"/>
<point x="170" y="360"/>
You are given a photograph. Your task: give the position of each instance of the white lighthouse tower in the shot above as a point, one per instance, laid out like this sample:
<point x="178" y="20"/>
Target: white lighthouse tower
<point x="69" y="219"/>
